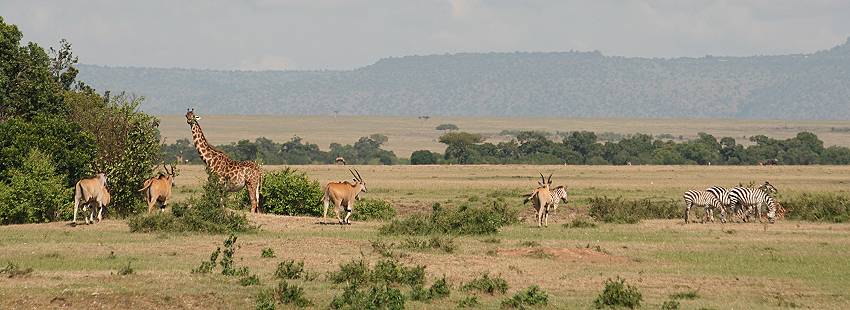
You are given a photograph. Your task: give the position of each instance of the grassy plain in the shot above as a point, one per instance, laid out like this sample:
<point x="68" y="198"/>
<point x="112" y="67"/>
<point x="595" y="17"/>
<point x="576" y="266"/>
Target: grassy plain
<point x="729" y="266"/>
<point x="408" y="134"/>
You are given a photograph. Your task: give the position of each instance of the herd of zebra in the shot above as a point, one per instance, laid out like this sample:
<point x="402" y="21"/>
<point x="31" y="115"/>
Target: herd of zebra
<point x="742" y="202"/>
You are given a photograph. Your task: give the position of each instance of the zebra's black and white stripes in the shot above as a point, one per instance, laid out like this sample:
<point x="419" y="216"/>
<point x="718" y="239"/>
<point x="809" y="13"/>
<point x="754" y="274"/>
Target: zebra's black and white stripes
<point x="754" y="199"/>
<point x="699" y="198"/>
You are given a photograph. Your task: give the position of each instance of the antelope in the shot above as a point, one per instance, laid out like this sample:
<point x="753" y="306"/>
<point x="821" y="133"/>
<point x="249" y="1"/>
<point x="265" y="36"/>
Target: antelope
<point x="91" y="192"/>
<point x="157" y="189"/>
<point x="543" y="198"/>
<point x="343" y="193"/>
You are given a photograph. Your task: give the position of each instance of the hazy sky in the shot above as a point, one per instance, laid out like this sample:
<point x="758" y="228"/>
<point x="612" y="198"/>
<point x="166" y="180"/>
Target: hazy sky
<point x="345" y="34"/>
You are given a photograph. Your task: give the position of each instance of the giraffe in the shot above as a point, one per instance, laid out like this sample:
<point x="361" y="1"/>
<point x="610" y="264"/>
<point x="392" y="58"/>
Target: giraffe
<point x="234" y="174"/>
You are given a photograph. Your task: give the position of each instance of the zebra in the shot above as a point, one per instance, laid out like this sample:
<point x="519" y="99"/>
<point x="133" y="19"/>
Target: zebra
<point x="752" y="199"/>
<point x="699" y="198"/>
<point x="725" y="200"/>
<point x="558" y="194"/>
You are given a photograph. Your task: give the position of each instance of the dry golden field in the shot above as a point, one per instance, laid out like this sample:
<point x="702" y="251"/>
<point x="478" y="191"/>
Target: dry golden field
<point x="408" y="134"/>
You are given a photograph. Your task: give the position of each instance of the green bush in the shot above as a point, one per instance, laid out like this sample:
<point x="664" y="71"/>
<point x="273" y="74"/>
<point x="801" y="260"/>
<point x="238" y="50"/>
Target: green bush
<point x="463" y="220"/>
<point x="267" y="253"/>
<point x="126" y="270"/>
<point x="685" y="295"/>
<point x="819" y="207"/>
<point x="618" y="294"/>
<point x="264" y="301"/>
<point x="291" y="294"/>
<point x="468" y="302"/>
<point x="375" y="297"/>
<point x="289" y="270"/>
<point x="580" y="223"/>
<point x="205" y="214"/>
<point x="621" y="211"/>
<point x="423" y="157"/>
<point x="440" y="289"/>
<point x="35" y="194"/>
<point x="372" y="209"/>
<point x="532" y="296"/>
<point x="670" y="305"/>
<point x="487" y="284"/>
<point x="249" y="280"/>
<point x="288" y="192"/>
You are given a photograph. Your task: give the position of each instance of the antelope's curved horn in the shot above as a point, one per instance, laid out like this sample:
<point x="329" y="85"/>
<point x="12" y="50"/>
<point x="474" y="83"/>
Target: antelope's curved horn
<point x="358" y="175"/>
<point x="550" y="179"/>
<point x="542" y="178"/>
<point x="352" y="174"/>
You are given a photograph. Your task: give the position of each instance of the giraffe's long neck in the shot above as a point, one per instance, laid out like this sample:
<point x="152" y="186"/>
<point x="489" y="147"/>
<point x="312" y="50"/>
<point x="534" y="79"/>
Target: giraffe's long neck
<point x="212" y="157"/>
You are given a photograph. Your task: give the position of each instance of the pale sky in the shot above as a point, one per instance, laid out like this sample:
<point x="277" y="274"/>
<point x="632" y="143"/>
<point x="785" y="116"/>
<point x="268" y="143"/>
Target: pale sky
<point x="346" y="34"/>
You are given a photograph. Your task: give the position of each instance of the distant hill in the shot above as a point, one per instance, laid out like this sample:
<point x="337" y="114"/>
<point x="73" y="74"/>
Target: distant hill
<point x="569" y="84"/>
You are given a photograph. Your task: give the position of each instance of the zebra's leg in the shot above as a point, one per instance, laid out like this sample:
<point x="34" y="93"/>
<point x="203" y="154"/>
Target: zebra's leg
<point x="722" y="214"/>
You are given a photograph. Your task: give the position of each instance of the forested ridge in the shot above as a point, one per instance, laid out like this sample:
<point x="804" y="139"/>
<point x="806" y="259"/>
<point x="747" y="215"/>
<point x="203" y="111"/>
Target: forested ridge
<point x="566" y="84"/>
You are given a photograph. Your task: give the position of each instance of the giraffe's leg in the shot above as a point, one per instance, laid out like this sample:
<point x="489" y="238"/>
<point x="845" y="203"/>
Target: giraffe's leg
<point x="254" y="195"/>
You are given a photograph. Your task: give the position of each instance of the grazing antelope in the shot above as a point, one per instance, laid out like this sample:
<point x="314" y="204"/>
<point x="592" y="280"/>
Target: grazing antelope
<point x="343" y="193"/>
<point x="92" y="193"/>
<point x="157" y="189"/>
<point x="546" y="199"/>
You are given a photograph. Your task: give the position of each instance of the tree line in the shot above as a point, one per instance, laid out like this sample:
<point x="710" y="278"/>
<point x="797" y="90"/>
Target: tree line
<point x="584" y="148"/>
<point x="365" y="151"/>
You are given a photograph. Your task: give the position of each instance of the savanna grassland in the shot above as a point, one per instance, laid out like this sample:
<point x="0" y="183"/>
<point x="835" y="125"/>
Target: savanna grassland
<point x="734" y="265"/>
<point x="408" y="134"/>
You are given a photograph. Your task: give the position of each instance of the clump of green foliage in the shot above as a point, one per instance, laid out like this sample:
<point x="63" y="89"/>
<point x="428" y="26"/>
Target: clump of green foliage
<point x="468" y="302"/>
<point x="290" y="269"/>
<point x="369" y="288"/>
<point x="533" y="296"/>
<point x="12" y="270"/>
<point x="228" y="267"/>
<point x="208" y="266"/>
<point x="267" y="253"/>
<point x="249" y="280"/>
<point x="291" y="294"/>
<point x="35" y="193"/>
<point x="621" y="211"/>
<point x="819" y="207"/>
<point x="265" y="300"/>
<point x="691" y="294"/>
<point x="487" y="284"/>
<point x="373" y="209"/>
<point x="487" y="218"/>
<point x="618" y="294"/>
<point x="288" y="192"/>
<point x="380" y="296"/>
<point x="670" y="305"/>
<point x="206" y="214"/>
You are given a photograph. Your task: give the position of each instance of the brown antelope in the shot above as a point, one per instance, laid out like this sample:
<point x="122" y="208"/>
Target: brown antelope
<point x="343" y="193"/>
<point x="543" y="198"/>
<point x="92" y="193"/>
<point x="157" y="189"/>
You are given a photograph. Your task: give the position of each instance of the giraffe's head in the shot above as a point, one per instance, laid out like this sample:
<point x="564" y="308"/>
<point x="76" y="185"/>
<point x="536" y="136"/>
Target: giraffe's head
<point x="191" y="118"/>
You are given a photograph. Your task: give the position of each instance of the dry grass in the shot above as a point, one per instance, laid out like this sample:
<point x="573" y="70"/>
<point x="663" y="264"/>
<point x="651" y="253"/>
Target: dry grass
<point x="408" y="134"/>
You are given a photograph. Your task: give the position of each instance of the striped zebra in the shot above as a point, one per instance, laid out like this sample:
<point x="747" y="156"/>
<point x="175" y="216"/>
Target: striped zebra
<point x="725" y="200"/>
<point x="701" y="199"/>
<point x="752" y="200"/>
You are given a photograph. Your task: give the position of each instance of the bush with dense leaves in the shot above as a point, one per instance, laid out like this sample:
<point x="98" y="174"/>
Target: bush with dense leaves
<point x="618" y="294"/>
<point x="372" y="209"/>
<point x="819" y="207"/>
<point x="35" y="193"/>
<point x="423" y="157"/>
<point x="487" y="218"/>
<point x="619" y="210"/>
<point x="288" y="192"/>
<point x="205" y="214"/>
<point x="533" y="296"/>
<point x="487" y="284"/>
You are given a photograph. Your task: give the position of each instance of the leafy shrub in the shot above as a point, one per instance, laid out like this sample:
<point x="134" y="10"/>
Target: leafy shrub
<point x="423" y="157"/>
<point x="126" y="270"/>
<point x="376" y="297"/>
<point x="532" y="296"/>
<point x="468" y="302"/>
<point x="622" y="211"/>
<point x="249" y="280"/>
<point x="288" y="192"/>
<point x="291" y="294"/>
<point x="264" y="301"/>
<point x="463" y="220"/>
<point x="486" y="284"/>
<point x="819" y="207"/>
<point x="208" y="266"/>
<point x="446" y="127"/>
<point x="440" y="289"/>
<point x="205" y="214"/>
<point x="289" y="270"/>
<point x="36" y="194"/>
<point x="580" y="223"/>
<point x="267" y="253"/>
<point x="372" y="209"/>
<point x="618" y="294"/>
<point x="670" y="305"/>
<point x="13" y="271"/>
